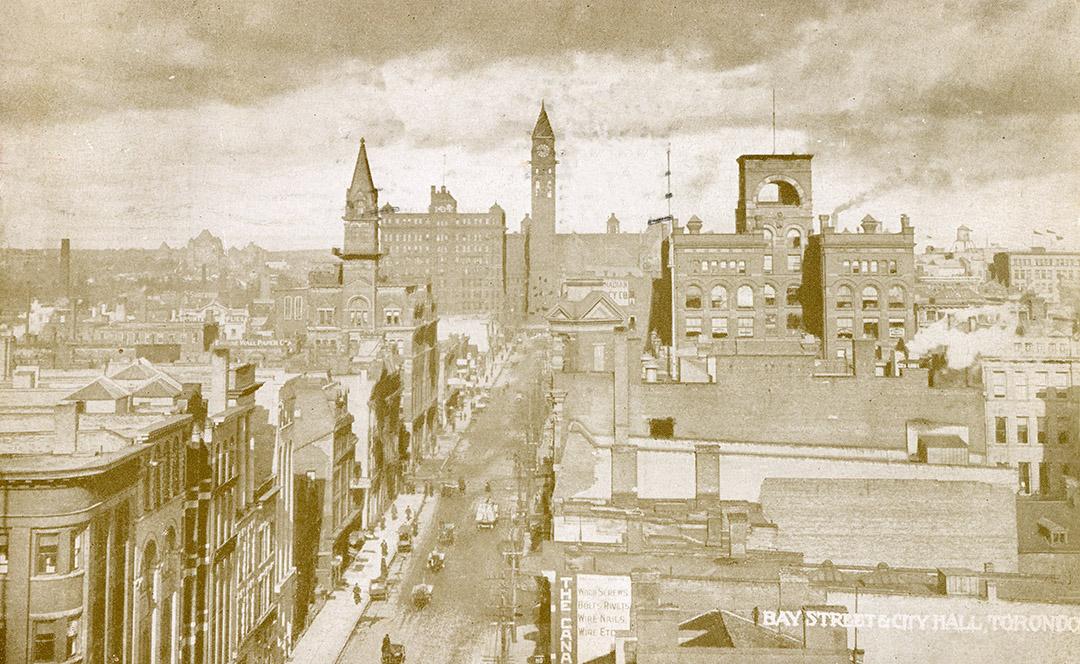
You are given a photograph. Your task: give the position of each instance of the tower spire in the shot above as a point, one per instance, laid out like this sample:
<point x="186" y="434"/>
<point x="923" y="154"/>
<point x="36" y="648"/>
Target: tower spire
<point x="362" y="194"/>
<point x="543" y="125"/>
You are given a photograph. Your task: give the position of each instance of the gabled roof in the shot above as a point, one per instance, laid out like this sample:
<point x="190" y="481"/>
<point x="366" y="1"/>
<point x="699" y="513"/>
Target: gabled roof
<point x="596" y="306"/>
<point x="139" y="370"/>
<point x="157" y="388"/>
<point x="102" y="389"/>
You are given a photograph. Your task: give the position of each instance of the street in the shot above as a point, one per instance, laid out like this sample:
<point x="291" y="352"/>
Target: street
<point x="458" y="626"/>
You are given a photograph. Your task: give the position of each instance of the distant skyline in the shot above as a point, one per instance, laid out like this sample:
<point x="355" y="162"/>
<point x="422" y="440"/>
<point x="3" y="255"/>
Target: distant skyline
<point x="146" y="124"/>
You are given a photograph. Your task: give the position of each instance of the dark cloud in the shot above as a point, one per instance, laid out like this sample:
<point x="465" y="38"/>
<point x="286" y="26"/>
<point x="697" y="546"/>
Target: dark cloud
<point x="70" y="61"/>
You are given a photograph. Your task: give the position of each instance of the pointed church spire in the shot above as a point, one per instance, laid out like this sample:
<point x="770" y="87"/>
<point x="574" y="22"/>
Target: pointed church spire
<point x="362" y="194"/>
<point x="543" y="125"/>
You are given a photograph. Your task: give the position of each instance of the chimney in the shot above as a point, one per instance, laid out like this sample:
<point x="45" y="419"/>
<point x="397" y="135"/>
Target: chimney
<point x="66" y="425"/>
<point x="905" y="222"/>
<point x="694" y="225"/>
<point x="621" y="386"/>
<point x="825" y="221"/>
<point x="218" y="398"/>
<point x="65" y="266"/>
<point x="865" y="357"/>
<point x="7" y="356"/>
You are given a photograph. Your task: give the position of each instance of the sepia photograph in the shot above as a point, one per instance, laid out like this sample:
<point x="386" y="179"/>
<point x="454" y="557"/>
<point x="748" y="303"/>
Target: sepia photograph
<point x="539" y="332"/>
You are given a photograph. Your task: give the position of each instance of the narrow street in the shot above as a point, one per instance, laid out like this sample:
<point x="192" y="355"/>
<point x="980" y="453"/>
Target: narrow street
<point x="458" y="625"/>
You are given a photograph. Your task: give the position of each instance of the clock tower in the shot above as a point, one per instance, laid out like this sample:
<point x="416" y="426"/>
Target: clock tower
<point x="543" y="268"/>
<point x="543" y="164"/>
<point x="361" y="251"/>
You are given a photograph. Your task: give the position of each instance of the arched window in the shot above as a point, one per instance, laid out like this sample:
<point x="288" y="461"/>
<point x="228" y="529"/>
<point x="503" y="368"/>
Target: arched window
<point x="693" y="297"/>
<point x="869" y="298"/>
<point x="778" y="192"/>
<point x="718" y="298"/>
<point x="359" y="312"/>
<point x="793" y="238"/>
<point x="896" y="297"/>
<point x="744" y="297"/>
<point x="844" y="297"/>
<point x="769" y="235"/>
<point x="769" y="293"/>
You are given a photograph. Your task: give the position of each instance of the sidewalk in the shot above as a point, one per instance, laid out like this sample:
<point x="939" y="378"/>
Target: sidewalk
<point x="333" y="624"/>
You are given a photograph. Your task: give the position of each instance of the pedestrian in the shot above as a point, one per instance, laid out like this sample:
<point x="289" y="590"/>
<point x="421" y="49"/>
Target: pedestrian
<point x="393" y="511"/>
<point x="385" y="549"/>
<point x="386" y="644"/>
<point x="408" y="513"/>
<point x="461" y="485"/>
<point x="356" y="594"/>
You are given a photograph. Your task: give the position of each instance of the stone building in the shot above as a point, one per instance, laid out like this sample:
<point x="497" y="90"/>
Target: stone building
<point x="462" y="253"/>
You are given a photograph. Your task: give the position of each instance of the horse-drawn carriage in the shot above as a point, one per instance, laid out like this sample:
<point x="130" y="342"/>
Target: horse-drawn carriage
<point x="392" y="653"/>
<point x="421" y="594"/>
<point x="446" y="534"/>
<point x="436" y="561"/>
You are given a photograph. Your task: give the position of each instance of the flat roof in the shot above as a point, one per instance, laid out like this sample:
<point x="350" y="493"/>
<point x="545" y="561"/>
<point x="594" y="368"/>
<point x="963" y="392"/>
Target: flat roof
<point x="774" y="156"/>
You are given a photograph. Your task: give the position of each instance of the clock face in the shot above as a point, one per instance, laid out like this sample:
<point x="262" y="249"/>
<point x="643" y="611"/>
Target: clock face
<point x="542" y="150"/>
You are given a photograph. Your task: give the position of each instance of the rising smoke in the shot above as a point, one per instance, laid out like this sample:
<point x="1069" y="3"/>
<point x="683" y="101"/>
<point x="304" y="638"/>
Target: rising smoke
<point x="966" y="334"/>
<point x="929" y="177"/>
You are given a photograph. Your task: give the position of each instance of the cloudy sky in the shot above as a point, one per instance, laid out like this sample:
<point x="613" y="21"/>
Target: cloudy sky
<point x="141" y="122"/>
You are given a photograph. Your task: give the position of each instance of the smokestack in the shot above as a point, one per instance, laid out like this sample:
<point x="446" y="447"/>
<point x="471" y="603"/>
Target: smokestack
<point x="65" y="267"/>
<point x="825" y="221"/>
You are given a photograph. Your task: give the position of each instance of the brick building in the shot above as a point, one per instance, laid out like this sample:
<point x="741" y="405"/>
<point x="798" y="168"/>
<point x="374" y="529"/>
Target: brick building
<point x="462" y="253"/>
<point x="92" y="548"/>
<point x="861" y="286"/>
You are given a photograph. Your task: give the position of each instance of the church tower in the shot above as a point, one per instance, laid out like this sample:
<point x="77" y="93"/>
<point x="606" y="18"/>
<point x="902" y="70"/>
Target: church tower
<point x="543" y="264"/>
<point x="361" y="252"/>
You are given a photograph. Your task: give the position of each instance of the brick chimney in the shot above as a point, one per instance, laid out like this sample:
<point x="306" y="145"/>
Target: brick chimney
<point x="7" y="357"/>
<point x="66" y="425"/>
<point x="218" y="398"/>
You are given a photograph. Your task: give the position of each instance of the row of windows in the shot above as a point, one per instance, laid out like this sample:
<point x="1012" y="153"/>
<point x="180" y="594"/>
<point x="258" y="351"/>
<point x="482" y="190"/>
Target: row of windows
<point x="744" y="297"/>
<point x="1026" y="430"/>
<point x="794" y="264"/>
<point x="1060" y="262"/>
<point x="423" y="221"/>
<point x="1046" y="274"/>
<point x="871" y="328"/>
<point x="719" y="327"/>
<point x="869" y="299"/>
<point x="793" y="239"/>
<point x="1039" y="383"/>
<point x="47" y="552"/>
<point x="863" y="266"/>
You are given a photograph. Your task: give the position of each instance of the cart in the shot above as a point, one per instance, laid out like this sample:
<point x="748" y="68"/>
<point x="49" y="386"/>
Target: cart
<point x="449" y="489"/>
<point x="446" y="534"/>
<point x="393" y="653"/>
<point x="404" y="540"/>
<point x="421" y="594"/>
<point x="436" y="561"/>
<point x="487" y="514"/>
<point x="378" y="589"/>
